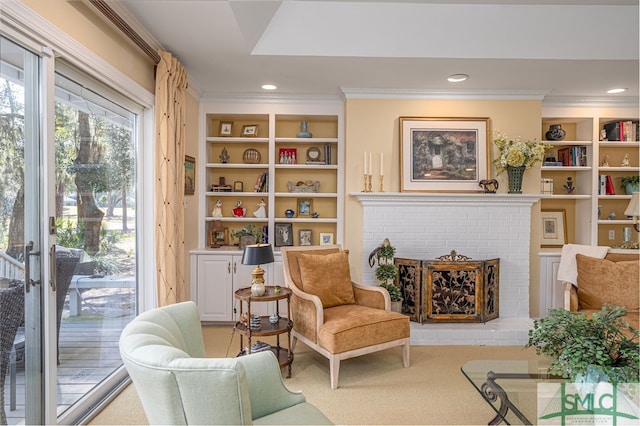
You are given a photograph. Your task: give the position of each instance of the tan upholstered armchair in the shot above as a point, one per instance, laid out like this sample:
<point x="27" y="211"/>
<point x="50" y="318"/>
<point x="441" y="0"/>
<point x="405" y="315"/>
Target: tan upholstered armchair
<point x="614" y="279"/>
<point x="335" y="316"/>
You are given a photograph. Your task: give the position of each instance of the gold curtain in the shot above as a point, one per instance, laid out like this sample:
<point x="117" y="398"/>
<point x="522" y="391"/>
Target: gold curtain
<point x="171" y="84"/>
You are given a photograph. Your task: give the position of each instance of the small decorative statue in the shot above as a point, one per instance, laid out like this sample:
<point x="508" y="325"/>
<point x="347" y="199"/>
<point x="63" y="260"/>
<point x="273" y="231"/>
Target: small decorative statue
<point x="224" y="156"/>
<point x="612" y="215"/>
<point x="569" y="187"/>
<point x="239" y="211"/>
<point x="217" y="209"/>
<point x="605" y="161"/>
<point x="490" y="186"/>
<point x="625" y="161"/>
<point x="261" y="212"/>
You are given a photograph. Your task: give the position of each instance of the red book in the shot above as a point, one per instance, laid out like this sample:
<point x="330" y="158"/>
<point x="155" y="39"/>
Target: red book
<point x="609" y="186"/>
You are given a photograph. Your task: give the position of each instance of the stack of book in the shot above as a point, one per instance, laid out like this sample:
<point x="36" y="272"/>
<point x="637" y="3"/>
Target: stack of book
<point x="573" y="156"/>
<point x="605" y="186"/>
<point x="623" y="131"/>
<point x="262" y="183"/>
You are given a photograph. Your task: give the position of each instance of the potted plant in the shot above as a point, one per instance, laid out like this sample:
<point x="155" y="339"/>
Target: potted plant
<point x="247" y="235"/>
<point x="602" y="347"/>
<point x="631" y="184"/>
<point x="386" y="272"/>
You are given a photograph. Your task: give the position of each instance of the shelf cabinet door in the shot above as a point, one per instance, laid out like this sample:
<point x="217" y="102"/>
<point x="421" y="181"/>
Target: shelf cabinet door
<point x="214" y="289"/>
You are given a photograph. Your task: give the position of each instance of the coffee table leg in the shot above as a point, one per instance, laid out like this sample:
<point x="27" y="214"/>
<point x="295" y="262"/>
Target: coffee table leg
<point x="491" y="392"/>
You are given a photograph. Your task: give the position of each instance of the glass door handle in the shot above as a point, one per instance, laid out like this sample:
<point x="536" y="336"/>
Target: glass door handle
<point x="28" y="252"/>
<point x="53" y="268"/>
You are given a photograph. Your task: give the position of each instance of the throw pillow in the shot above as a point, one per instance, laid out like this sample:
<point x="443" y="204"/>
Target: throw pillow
<point x="602" y="281"/>
<point x="328" y="277"/>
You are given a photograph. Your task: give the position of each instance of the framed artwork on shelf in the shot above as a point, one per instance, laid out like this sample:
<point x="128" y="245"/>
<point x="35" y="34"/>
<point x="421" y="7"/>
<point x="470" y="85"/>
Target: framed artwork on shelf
<point x="189" y="175"/>
<point x="288" y="156"/>
<point x="225" y="128"/>
<point x="219" y="237"/>
<point x="554" y="228"/>
<point x="305" y="237"/>
<point x="284" y="234"/>
<point x="443" y="154"/>
<point x="326" y="238"/>
<point x="305" y="207"/>
<point x="250" y="130"/>
<point x="238" y="186"/>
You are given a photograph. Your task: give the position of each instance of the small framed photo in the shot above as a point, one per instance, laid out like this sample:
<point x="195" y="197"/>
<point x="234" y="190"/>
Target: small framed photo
<point x="219" y="237"/>
<point x="238" y="186"/>
<point x="189" y="175"/>
<point x="225" y="128"/>
<point x="288" y="156"/>
<point x="305" y="207"/>
<point x="305" y="237"/>
<point x="284" y="234"/>
<point x="554" y="228"/>
<point x="326" y="238"/>
<point x="250" y="130"/>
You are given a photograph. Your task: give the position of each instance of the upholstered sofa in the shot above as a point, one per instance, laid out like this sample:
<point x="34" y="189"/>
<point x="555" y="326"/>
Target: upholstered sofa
<point x="335" y="316"/>
<point x="163" y="351"/>
<point x="614" y="279"/>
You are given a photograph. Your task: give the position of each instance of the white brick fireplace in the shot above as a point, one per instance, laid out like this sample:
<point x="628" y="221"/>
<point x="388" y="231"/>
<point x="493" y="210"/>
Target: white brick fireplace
<point x="481" y="226"/>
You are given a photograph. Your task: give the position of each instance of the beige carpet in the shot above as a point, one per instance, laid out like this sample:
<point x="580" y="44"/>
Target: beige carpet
<point x="373" y="389"/>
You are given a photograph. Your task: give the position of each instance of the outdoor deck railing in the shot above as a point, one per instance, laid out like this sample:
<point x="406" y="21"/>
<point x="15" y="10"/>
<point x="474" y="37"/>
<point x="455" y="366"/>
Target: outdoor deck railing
<point x="10" y="268"/>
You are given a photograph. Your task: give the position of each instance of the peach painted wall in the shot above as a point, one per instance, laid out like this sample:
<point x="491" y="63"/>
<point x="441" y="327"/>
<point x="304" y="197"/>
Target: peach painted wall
<point x="372" y="125"/>
<point x="82" y="23"/>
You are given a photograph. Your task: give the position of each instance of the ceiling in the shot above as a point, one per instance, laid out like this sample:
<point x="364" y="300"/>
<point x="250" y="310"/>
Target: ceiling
<point x="553" y="50"/>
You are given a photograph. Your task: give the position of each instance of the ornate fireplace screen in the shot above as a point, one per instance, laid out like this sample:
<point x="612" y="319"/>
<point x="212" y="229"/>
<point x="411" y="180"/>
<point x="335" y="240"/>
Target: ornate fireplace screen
<point x="451" y="289"/>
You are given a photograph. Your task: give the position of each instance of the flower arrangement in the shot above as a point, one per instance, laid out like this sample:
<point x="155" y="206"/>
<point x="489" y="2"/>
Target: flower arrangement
<point x="517" y="153"/>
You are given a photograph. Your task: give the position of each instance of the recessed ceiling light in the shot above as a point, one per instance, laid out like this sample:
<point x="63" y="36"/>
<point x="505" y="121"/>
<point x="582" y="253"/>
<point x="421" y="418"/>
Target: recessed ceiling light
<point x="616" y="90"/>
<point x="457" y="78"/>
<point x="269" y="86"/>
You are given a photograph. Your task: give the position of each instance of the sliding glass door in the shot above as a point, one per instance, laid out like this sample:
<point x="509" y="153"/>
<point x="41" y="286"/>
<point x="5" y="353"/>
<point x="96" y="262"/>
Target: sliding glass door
<point x="68" y="237"/>
<point x="23" y="244"/>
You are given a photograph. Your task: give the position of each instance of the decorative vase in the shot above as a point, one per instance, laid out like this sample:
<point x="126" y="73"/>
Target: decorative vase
<point x="396" y="306"/>
<point x="630" y="188"/>
<point x="555" y="133"/>
<point x="515" y="179"/>
<point x="303" y="131"/>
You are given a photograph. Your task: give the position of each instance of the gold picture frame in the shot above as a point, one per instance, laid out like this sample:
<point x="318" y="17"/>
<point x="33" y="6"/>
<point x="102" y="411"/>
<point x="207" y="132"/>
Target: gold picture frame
<point x="226" y="128"/>
<point x="189" y="175"/>
<point x="554" y="228"/>
<point x="443" y="154"/>
<point x="249" y="130"/>
<point x="326" y="238"/>
<point x="305" y="207"/>
<point x="219" y="237"/>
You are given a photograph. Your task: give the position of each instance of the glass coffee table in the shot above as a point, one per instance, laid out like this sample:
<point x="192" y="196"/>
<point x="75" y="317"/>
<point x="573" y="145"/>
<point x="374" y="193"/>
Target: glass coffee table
<point x="509" y="387"/>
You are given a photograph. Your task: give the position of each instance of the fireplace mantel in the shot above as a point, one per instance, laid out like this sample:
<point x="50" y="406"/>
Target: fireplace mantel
<point x="444" y="198"/>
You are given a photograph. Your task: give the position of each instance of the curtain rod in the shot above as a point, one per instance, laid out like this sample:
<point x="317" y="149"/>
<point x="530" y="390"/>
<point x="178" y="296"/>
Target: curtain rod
<point x="125" y="28"/>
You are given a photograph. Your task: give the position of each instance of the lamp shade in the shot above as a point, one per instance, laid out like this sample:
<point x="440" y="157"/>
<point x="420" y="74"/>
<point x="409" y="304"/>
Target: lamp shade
<point x="633" y="209"/>
<point x="257" y="254"/>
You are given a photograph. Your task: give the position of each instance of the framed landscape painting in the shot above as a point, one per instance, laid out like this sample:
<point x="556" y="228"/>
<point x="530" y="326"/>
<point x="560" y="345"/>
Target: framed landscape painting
<point x="443" y="154"/>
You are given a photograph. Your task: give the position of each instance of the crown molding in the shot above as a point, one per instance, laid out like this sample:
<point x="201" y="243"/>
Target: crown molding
<point x="366" y="93"/>
<point x="270" y="98"/>
<point x="591" y="101"/>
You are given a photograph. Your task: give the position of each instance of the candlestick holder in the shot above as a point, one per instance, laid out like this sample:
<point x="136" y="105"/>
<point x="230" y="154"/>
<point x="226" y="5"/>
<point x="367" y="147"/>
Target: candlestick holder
<point x="381" y="183"/>
<point x="369" y="185"/>
<point x="366" y="182"/>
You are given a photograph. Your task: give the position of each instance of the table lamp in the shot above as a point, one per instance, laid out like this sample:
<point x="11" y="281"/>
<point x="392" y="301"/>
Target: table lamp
<point x="633" y="209"/>
<point x="257" y="254"/>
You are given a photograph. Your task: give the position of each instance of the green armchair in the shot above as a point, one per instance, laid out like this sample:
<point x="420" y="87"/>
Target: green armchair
<point x="163" y="351"/>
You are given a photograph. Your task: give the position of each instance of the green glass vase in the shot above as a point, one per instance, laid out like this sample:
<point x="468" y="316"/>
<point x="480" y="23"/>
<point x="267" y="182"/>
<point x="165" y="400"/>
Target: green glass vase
<point x="515" y="179"/>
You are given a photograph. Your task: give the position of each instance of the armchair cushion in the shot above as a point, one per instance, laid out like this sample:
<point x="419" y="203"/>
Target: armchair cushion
<point x="350" y="327"/>
<point x="294" y="265"/>
<point x="328" y="277"/>
<point x="602" y="281"/>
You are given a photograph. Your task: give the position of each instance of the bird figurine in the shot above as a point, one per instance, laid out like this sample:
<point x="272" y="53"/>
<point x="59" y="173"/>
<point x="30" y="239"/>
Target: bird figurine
<point x="375" y="254"/>
<point x="217" y="209"/>
<point x="569" y="187"/>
